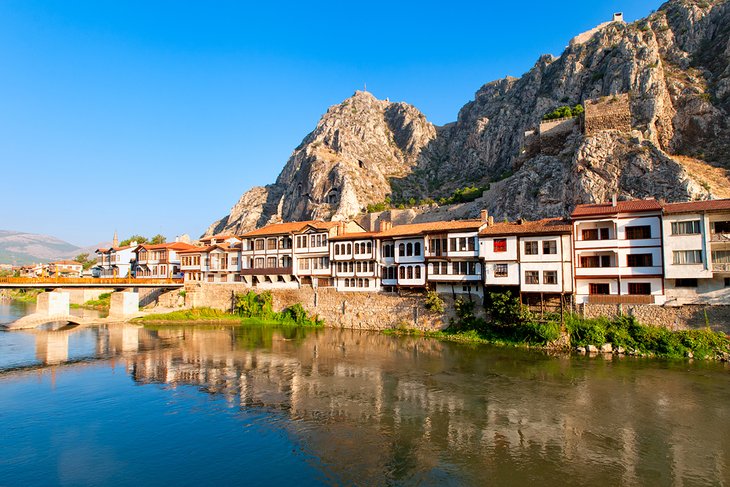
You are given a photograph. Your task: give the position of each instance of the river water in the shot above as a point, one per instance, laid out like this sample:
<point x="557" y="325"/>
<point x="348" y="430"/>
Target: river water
<point x="215" y="405"/>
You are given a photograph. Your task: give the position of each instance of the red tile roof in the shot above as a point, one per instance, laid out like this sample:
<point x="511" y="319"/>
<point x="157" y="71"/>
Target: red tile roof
<point x="630" y="206"/>
<point x="431" y="227"/>
<point x="65" y="262"/>
<point x="171" y="246"/>
<point x="696" y="206"/>
<point x="355" y="236"/>
<point x="220" y="236"/>
<point x="539" y="227"/>
<point x="289" y="227"/>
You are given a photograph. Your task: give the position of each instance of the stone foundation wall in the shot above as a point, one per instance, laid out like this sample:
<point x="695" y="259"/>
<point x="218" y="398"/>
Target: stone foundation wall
<point x="153" y="297"/>
<point x="370" y="311"/>
<point x="607" y="113"/>
<point x="675" y="318"/>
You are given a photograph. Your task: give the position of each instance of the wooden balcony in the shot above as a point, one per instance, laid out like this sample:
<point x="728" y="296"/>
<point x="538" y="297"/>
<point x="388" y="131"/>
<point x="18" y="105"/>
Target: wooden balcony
<point x="268" y="271"/>
<point x="620" y="299"/>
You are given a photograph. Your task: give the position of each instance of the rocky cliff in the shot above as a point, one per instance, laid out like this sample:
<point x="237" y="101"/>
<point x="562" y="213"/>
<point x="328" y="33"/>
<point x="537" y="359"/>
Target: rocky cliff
<point x="672" y="143"/>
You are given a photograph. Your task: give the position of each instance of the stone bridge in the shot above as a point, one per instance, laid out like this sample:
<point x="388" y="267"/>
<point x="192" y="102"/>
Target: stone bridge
<point x="53" y="307"/>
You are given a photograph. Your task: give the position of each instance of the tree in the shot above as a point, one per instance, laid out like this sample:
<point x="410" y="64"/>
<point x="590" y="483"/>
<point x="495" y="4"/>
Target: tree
<point x="134" y="238"/>
<point x="84" y="260"/>
<point x="158" y="239"/>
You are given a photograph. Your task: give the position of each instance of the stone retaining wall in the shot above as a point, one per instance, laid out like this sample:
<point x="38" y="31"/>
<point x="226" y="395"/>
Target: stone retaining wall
<point x="371" y="311"/>
<point x="607" y="113"/>
<point x="674" y="318"/>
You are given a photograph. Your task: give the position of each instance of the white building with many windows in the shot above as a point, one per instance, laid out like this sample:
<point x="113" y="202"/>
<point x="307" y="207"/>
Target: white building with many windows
<point x="531" y="257"/>
<point x="159" y="261"/>
<point x="618" y="253"/>
<point x="696" y="246"/>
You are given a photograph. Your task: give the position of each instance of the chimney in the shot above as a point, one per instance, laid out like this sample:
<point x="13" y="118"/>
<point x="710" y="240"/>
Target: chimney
<point x="490" y="221"/>
<point x="340" y="228"/>
<point x="384" y="225"/>
<point x="484" y="216"/>
<point x="520" y="221"/>
<point x="618" y="17"/>
<point x="614" y="200"/>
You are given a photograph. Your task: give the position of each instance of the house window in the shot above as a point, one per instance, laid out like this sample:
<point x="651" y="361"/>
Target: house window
<point x="595" y="261"/>
<point x="271" y="244"/>
<point x="500" y="270"/>
<point x="721" y="256"/>
<point x="532" y="277"/>
<point x="418" y="272"/>
<point x="639" y="288"/>
<point x="595" y="234"/>
<point x="691" y="227"/>
<point x="598" y="288"/>
<point x="550" y="277"/>
<point x="410" y="272"/>
<point x="470" y="244"/>
<point x="500" y="245"/>
<point x="259" y="245"/>
<point x="639" y="260"/>
<point x="402" y="250"/>
<point x="550" y="247"/>
<point x="685" y="282"/>
<point x="638" y="232"/>
<point x="680" y="257"/>
<point x="727" y="282"/>
<point x="271" y="262"/>
<point x="531" y="248"/>
<point x="417" y="248"/>
<point x="721" y="227"/>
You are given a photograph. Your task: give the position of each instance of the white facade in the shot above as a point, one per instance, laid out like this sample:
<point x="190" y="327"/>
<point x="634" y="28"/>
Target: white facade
<point x="696" y="254"/>
<point x="618" y="256"/>
<point x="355" y="264"/>
<point x="545" y="264"/>
<point x="499" y="254"/>
<point x="453" y="262"/>
<point x="116" y="261"/>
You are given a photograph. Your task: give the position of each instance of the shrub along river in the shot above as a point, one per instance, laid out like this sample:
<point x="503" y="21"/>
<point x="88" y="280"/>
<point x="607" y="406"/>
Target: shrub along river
<point x="257" y="405"/>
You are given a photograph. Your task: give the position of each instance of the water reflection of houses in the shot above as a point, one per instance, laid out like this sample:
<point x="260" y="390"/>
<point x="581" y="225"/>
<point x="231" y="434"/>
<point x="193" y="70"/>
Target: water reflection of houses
<point x="404" y="405"/>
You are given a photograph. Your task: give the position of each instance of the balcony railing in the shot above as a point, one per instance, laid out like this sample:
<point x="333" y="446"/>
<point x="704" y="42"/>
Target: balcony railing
<point x="267" y="271"/>
<point x="620" y="299"/>
<point x="720" y="237"/>
<point x="721" y="267"/>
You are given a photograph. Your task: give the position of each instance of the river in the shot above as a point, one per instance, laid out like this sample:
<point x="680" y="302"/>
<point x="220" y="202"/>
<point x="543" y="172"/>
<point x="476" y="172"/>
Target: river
<point x="218" y="405"/>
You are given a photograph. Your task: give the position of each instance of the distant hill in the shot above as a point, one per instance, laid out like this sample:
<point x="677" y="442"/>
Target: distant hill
<point x="21" y="248"/>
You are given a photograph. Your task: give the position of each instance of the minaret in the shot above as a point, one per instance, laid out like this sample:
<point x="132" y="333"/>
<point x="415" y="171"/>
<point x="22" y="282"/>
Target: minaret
<point x="115" y="240"/>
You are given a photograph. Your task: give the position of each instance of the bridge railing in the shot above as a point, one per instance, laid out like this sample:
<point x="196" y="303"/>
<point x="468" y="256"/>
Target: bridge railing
<point x="112" y="281"/>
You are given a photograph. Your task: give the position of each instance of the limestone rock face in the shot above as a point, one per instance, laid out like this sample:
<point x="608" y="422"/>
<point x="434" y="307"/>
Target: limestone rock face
<point x="342" y="166"/>
<point x="674" y="66"/>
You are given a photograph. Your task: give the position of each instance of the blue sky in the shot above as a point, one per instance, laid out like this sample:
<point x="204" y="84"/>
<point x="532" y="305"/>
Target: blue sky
<point x="155" y="116"/>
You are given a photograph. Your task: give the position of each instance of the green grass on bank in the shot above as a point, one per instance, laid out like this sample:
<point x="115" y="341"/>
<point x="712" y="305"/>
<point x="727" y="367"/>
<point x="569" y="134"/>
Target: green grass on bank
<point x="23" y="295"/>
<point x="251" y="309"/>
<point x="101" y="303"/>
<point x="194" y="314"/>
<point x="627" y="332"/>
<point x="512" y="324"/>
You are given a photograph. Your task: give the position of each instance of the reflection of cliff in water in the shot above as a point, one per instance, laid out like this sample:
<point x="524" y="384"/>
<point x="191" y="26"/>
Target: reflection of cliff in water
<point x="447" y="413"/>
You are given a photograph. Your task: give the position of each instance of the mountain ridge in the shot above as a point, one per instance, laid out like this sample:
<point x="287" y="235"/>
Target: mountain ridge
<point x="23" y="248"/>
<point x="672" y="65"/>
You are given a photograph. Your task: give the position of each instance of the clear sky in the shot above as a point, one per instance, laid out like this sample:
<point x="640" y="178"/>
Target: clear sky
<point x="155" y="116"/>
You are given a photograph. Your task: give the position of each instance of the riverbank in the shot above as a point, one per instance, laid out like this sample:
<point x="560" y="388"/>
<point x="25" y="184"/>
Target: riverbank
<point x="621" y="336"/>
<point x="21" y="295"/>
